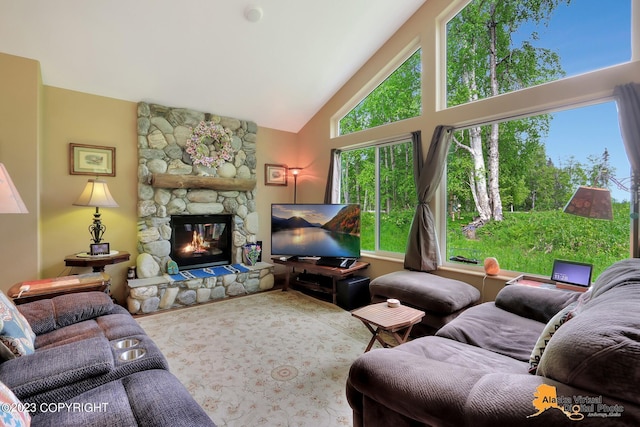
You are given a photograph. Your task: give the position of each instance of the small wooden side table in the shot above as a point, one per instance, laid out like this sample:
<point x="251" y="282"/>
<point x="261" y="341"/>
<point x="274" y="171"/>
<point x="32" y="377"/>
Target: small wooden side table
<point x="385" y="318"/>
<point x="97" y="262"/>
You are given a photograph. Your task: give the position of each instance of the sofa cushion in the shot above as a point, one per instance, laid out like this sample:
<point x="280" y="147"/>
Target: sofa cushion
<point x="461" y="355"/>
<point x="425" y="290"/>
<point x="53" y="368"/>
<point x="549" y="330"/>
<point x="13" y="413"/>
<point x="110" y="326"/>
<point x="599" y="349"/>
<point x="494" y="329"/>
<point x="16" y="333"/>
<point x="50" y="314"/>
<point x="539" y="304"/>
<point x="144" y="399"/>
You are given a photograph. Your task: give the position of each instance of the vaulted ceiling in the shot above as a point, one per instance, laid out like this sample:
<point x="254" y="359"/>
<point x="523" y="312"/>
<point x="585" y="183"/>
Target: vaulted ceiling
<point x="204" y="54"/>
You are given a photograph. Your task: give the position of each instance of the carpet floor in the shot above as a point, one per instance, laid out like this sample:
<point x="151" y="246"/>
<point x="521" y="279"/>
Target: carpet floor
<point x="273" y="358"/>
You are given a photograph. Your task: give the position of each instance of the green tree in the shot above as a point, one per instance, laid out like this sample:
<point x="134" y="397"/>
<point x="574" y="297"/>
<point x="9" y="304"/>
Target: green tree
<point x="484" y="61"/>
<point x="396" y="98"/>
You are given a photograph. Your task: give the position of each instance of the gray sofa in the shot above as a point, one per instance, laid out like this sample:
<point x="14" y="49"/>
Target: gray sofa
<point x="83" y="370"/>
<point x="538" y="357"/>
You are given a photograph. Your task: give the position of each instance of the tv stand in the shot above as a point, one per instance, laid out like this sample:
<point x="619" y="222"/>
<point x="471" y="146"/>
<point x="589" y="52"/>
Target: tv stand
<point x="336" y="262"/>
<point x="311" y="266"/>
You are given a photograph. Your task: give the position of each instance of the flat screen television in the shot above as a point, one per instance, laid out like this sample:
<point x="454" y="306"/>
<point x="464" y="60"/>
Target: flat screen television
<point x="327" y="231"/>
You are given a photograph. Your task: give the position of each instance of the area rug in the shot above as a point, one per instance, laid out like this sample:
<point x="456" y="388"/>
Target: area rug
<point x="269" y="359"/>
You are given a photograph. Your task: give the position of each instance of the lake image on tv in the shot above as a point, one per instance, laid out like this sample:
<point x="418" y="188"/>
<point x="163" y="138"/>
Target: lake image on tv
<point x="322" y="230"/>
<point x="313" y="241"/>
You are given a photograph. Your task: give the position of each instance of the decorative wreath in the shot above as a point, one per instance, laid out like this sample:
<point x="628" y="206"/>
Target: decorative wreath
<point x="210" y="144"/>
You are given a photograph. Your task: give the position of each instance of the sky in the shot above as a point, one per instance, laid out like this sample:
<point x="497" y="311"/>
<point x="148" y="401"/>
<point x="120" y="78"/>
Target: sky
<point x="588" y="36"/>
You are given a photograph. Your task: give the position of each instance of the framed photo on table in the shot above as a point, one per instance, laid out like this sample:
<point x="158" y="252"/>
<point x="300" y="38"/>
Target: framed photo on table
<point x="275" y="174"/>
<point x="92" y="160"/>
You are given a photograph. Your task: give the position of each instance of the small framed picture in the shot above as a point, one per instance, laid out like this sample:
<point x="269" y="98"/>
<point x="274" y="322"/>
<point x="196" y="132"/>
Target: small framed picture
<point x="99" y="249"/>
<point x="92" y="160"/>
<point x="275" y="174"/>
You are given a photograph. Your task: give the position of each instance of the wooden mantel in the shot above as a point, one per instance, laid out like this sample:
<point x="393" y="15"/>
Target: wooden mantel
<point x="167" y="180"/>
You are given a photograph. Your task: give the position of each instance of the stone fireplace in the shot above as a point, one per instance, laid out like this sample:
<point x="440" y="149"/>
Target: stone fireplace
<point x="170" y="184"/>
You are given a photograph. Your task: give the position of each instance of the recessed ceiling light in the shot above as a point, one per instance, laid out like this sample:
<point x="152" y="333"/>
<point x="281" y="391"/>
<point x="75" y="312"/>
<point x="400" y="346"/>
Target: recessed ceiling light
<point x="253" y="13"/>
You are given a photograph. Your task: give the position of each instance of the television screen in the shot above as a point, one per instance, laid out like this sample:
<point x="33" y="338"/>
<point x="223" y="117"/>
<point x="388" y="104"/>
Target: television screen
<point x="316" y="230"/>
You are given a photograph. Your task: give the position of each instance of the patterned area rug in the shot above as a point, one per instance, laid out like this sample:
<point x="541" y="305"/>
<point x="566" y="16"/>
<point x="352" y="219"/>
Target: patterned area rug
<point x="273" y="359"/>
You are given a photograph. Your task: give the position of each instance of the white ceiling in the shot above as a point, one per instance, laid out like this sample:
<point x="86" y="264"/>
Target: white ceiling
<point x="204" y="54"/>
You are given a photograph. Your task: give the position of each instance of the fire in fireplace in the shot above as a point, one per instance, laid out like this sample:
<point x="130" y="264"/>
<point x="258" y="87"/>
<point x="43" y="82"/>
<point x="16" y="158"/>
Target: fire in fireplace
<point x="200" y="240"/>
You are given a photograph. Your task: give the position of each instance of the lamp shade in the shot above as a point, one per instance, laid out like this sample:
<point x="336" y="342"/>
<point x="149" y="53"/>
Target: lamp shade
<point x="590" y="202"/>
<point x="10" y="200"/>
<point x="96" y="193"/>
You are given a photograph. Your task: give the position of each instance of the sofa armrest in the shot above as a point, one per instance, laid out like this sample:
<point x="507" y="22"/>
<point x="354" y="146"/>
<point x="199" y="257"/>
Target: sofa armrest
<point x="50" y="314"/>
<point x="56" y="367"/>
<point x="539" y="304"/>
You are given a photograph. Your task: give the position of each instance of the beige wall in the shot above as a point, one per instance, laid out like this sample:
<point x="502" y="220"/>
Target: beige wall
<point x="19" y="139"/>
<point x="86" y="119"/>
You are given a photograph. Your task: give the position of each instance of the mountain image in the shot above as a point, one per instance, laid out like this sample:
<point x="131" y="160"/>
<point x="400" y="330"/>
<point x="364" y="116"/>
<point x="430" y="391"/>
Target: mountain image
<point x="347" y="221"/>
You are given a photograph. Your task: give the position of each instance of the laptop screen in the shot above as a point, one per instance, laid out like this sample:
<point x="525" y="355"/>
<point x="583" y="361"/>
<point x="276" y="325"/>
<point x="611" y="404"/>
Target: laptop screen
<point x="572" y="273"/>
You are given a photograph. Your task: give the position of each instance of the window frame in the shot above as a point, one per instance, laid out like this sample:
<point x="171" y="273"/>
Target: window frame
<point x="395" y="140"/>
<point x="377" y="79"/>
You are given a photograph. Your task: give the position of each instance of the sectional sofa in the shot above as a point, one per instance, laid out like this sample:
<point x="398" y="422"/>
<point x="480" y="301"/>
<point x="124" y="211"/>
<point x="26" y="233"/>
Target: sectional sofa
<point x="81" y="360"/>
<point x="533" y="357"/>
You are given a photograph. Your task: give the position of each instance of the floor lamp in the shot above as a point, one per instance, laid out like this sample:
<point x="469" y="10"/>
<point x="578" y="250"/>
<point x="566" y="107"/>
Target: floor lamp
<point x="295" y="172"/>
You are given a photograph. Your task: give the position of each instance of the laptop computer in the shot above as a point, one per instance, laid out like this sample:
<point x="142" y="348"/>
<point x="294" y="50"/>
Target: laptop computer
<point x="571" y="273"/>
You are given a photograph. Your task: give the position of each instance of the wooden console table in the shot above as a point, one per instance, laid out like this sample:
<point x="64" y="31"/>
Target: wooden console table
<point x="48" y="288"/>
<point x="96" y="262"/>
<point x="335" y="273"/>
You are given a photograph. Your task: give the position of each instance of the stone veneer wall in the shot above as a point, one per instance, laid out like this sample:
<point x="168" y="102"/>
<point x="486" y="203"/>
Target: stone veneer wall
<point x="162" y="136"/>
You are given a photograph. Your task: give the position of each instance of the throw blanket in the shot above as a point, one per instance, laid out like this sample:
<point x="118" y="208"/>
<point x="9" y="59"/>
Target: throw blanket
<point x="203" y="273"/>
<point x="625" y="272"/>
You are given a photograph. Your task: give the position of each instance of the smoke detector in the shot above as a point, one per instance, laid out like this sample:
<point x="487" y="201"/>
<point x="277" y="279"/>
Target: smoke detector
<point x="253" y="13"/>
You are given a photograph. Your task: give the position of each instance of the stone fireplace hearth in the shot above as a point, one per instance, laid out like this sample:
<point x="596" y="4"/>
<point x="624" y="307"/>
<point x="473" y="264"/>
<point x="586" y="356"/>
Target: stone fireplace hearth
<point x="170" y="184"/>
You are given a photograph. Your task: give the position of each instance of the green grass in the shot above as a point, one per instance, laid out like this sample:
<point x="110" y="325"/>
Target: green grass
<point x="525" y="242"/>
<point x="394" y="229"/>
<point x="530" y="241"/>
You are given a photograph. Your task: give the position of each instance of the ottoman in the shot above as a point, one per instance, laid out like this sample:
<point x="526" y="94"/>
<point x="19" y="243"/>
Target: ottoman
<point x="440" y="298"/>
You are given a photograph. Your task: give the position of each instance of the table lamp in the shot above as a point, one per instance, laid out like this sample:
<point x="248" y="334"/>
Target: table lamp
<point x="10" y="200"/>
<point x="96" y="194"/>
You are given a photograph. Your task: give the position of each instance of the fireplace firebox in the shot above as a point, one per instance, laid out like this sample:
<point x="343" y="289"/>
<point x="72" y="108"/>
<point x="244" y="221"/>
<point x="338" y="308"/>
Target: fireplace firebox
<point x="201" y="240"/>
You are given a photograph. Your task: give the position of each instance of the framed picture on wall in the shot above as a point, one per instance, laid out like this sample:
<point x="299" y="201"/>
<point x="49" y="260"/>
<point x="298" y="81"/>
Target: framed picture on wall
<point x="92" y="160"/>
<point x="275" y="174"/>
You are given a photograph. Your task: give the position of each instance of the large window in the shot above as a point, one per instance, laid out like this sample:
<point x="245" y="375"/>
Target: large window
<point x="497" y="46"/>
<point x="396" y="98"/>
<point x="511" y="207"/>
<point x="380" y="179"/>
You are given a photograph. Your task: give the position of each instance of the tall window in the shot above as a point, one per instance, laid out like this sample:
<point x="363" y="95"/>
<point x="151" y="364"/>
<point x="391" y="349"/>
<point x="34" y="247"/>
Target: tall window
<point x="380" y="179"/>
<point x="513" y="210"/>
<point x="507" y="183"/>
<point x="396" y="98"/>
<point x="497" y="46"/>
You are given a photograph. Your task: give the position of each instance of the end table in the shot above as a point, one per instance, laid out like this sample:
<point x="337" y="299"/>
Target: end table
<point x="97" y="262"/>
